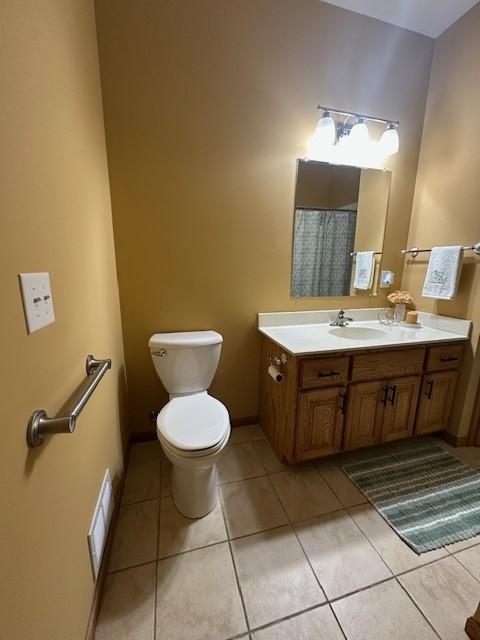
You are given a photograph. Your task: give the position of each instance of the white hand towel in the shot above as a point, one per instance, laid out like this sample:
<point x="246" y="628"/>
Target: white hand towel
<point x="443" y="273"/>
<point x="364" y="270"/>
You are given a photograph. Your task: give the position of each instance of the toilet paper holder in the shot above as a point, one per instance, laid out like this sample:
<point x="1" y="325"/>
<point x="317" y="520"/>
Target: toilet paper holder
<point x="275" y="367"/>
<point x="278" y="361"/>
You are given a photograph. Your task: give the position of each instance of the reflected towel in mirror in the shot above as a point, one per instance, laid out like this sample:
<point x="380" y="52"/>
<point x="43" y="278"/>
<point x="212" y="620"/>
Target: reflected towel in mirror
<point x="364" y="269"/>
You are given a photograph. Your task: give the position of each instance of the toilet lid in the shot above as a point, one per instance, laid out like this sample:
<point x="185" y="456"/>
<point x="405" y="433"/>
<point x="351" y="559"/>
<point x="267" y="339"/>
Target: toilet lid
<point x="193" y="422"/>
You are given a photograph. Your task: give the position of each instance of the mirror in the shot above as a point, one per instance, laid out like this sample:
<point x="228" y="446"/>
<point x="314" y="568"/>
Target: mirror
<point x="339" y="211"/>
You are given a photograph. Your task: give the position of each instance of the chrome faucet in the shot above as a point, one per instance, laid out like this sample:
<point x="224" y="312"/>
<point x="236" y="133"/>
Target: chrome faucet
<point x="341" y="320"/>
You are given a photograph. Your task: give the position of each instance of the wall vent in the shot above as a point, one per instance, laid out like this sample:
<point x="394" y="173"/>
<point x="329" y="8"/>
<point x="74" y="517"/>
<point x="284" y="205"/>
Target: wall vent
<point x="102" y="516"/>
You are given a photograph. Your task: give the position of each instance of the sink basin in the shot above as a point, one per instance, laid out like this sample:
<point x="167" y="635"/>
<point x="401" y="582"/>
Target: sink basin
<point x="358" y="333"/>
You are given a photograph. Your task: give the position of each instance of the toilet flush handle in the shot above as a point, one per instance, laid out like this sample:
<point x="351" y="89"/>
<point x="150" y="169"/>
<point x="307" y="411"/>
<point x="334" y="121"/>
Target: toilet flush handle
<point x="161" y="352"/>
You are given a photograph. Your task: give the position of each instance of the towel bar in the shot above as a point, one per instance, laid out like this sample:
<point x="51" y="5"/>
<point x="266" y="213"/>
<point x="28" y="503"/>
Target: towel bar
<point x="41" y="425"/>
<point x="375" y="253"/>
<point x="414" y="251"/>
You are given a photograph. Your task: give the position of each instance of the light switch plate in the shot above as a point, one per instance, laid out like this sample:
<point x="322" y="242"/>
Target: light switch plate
<point x="37" y="300"/>
<point x="387" y="279"/>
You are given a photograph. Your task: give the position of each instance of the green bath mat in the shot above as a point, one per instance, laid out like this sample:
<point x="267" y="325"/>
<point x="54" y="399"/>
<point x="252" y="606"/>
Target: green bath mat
<point x="429" y="497"/>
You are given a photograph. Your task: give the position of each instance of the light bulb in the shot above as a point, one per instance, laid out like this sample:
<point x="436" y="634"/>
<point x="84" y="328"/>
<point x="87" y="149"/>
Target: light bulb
<point x="325" y="133"/>
<point x="320" y="145"/>
<point x="389" y="142"/>
<point x="359" y="136"/>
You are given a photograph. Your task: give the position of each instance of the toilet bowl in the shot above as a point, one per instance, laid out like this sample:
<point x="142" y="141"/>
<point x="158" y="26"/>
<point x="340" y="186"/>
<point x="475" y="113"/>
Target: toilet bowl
<point x="193" y="427"/>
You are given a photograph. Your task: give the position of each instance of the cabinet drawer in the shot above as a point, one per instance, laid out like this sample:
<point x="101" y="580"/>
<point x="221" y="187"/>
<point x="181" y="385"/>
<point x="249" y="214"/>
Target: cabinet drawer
<point x="447" y="356"/>
<point x="387" y="364"/>
<point x="323" y="372"/>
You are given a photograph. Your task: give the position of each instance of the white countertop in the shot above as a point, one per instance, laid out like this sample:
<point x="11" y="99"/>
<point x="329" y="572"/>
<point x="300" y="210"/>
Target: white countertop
<point x="308" y="332"/>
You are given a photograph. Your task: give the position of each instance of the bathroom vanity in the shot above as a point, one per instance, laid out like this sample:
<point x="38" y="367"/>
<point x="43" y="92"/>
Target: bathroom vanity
<point x="344" y="388"/>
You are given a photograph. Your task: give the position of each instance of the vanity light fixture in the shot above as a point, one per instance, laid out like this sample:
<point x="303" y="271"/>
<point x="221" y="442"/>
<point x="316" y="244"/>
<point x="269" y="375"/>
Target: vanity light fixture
<point x="389" y="141"/>
<point x="324" y="136"/>
<point x="343" y="143"/>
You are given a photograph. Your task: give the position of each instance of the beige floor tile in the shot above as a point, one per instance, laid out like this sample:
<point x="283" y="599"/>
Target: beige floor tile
<point x="251" y="506"/>
<point x="239" y="462"/>
<point x="145" y="452"/>
<point x="269" y="458"/>
<point x="178" y="533"/>
<point x="341" y="485"/>
<point x="380" y="612"/>
<point x="304" y="493"/>
<point x="394" y="551"/>
<point x="318" y="624"/>
<point x="470" y="558"/>
<point x="166" y="484"/>
<point x="341" y="556"/>
<point x="135" y="539"/>
<point x="447" y="595"/>
<point x="198" y="597"/>
<point x="142" y="482"/>
<point x="246" y="434"/>
<point x="463" y="544"/>
<point x="128" y="605"/>
<point x="274" y="575"/>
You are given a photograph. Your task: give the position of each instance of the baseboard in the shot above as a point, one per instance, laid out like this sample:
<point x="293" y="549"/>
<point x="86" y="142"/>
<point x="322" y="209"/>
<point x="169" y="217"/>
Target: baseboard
<point x="454" y="440"/>
<point x="102" y="573"/>
<point x="243" y="422"/>
<point x="143" y="436"/>
<point x="472" y="629"/>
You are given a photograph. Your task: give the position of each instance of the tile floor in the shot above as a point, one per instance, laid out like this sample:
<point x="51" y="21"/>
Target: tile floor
<point x="288" y="553"/>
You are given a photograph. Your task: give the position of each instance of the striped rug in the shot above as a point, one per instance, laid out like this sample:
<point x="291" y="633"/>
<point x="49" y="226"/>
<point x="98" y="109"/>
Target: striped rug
<point x="429" y="497"/>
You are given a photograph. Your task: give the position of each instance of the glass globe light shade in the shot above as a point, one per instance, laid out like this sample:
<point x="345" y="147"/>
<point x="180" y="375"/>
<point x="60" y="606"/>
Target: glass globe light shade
<point x="389" y="142"/>
<point x="359" y="136"/>
<point x="325" y="132"/>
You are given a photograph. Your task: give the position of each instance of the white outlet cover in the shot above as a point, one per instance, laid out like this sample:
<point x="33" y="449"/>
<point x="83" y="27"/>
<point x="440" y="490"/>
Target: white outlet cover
<point x="37" y="300"/>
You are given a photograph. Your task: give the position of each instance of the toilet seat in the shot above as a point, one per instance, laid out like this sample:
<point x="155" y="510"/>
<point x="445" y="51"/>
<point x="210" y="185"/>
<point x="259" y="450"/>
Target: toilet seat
<point x="193" y="425"/>
<point x="196" y="454"/>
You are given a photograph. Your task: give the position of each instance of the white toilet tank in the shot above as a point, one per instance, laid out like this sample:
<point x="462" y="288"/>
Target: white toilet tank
<point x="186" y="361"/>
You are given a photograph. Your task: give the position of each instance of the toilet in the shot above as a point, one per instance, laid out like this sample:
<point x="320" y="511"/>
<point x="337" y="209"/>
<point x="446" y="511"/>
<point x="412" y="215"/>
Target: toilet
<point x="193" y="427"/>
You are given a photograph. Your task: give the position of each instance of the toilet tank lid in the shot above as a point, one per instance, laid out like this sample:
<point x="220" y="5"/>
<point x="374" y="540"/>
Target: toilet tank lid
<point x="181" y="339"/>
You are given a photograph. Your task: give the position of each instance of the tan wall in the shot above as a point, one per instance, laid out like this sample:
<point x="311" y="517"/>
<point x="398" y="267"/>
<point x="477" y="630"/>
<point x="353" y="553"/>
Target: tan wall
<point x="373" y="198"/>
<point x="324" y="186"/>
<point x="207" y="106"/>
<point x="54" y="198"/>
<point x="447" y="194"/>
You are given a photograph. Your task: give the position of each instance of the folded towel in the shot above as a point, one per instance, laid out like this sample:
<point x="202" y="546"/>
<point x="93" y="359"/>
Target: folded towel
<point x="443" y="273"/>
<point x="364" y="270"/>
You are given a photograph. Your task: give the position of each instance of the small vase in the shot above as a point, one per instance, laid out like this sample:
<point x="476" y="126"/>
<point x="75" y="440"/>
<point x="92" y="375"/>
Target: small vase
<point x="400" y="310"/>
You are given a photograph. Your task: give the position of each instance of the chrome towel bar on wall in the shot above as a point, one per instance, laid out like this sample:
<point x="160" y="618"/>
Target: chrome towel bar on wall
<point x="414" y="251"/>
<point x="40" y="425"/>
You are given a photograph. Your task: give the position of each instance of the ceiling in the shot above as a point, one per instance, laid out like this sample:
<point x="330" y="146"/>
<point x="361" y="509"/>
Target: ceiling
<point x="430" y="17"/>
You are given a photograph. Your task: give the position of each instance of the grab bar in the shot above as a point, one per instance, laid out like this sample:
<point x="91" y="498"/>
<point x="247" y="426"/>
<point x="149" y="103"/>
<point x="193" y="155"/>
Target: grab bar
<point x="41" y="425"/>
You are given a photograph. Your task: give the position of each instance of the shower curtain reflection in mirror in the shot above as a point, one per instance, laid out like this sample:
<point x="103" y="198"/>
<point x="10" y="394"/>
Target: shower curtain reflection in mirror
<point x="323" y="241"/>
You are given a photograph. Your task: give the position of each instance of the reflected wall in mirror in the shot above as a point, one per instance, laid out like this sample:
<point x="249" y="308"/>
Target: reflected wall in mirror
<point x="339" y="211"/>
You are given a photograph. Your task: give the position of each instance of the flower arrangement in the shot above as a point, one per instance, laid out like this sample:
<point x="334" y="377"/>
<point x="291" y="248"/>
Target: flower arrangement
<point x="400" y="299"/>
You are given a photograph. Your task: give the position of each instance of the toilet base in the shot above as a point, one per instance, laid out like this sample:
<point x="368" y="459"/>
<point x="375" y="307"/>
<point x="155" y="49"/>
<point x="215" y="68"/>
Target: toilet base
<point x="194" y="490"/>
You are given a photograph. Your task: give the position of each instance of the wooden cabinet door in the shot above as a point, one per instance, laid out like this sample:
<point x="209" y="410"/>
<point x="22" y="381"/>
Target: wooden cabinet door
<point x="365" y="414"/>
<point x="320" y="422"/>
<point x="436" y="401"/>
<point x="401" y="407"/>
